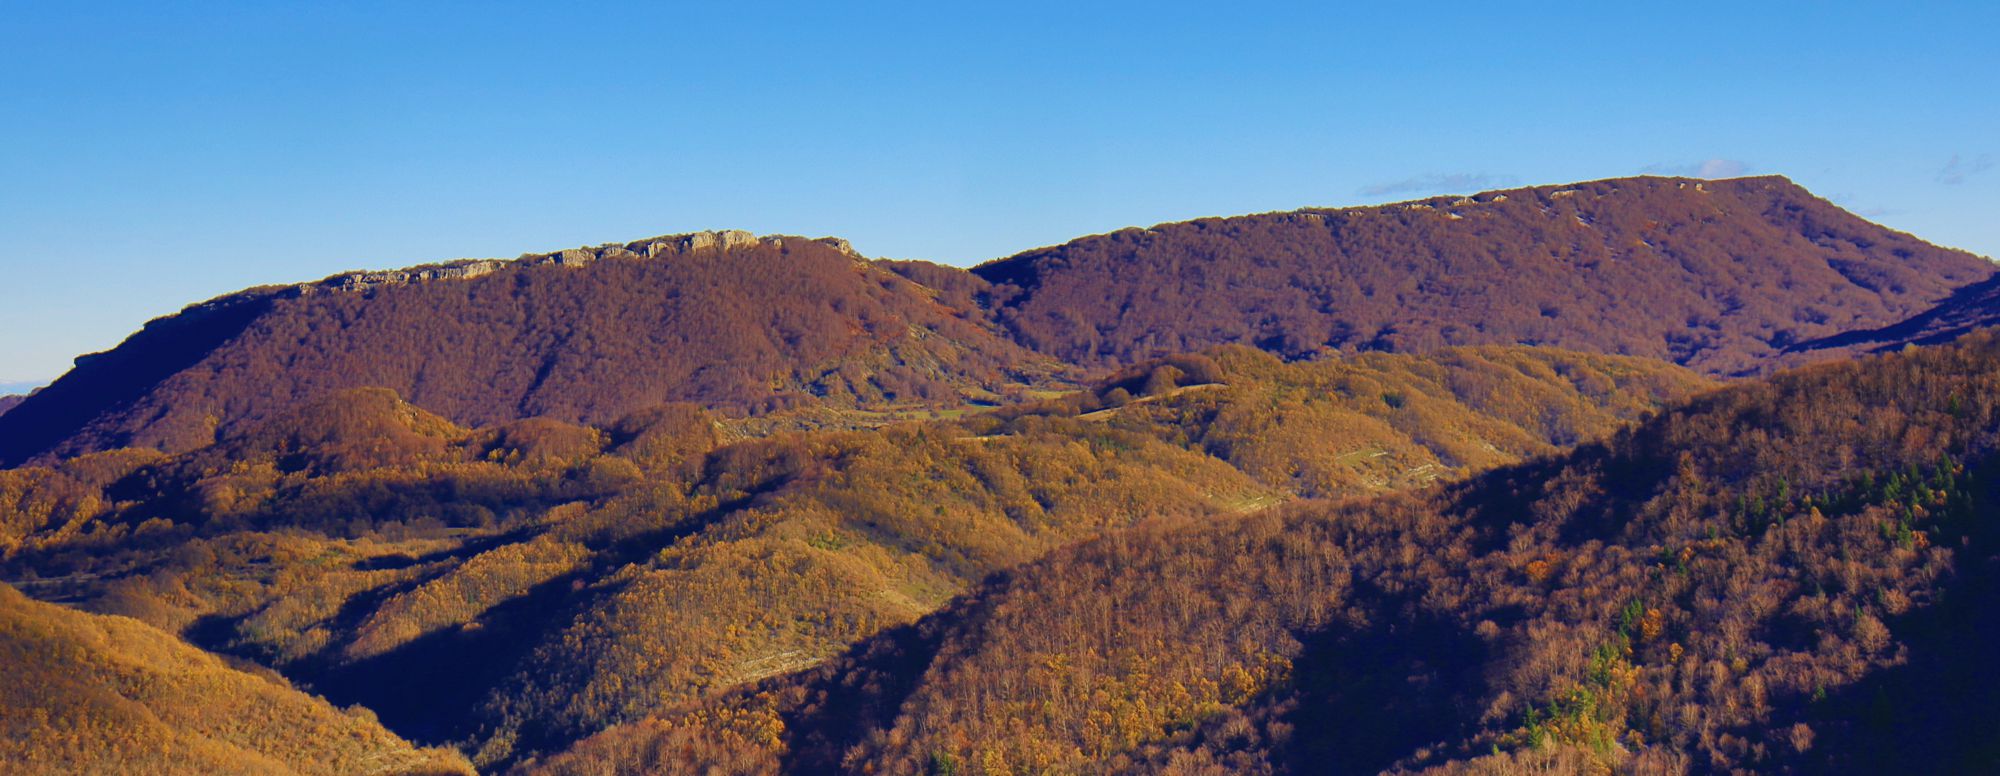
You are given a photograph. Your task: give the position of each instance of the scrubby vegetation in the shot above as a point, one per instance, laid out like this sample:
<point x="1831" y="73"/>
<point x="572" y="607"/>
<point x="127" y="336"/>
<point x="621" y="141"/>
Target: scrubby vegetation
<point x="512" y="588"/>
<point x="1792" y="575"/>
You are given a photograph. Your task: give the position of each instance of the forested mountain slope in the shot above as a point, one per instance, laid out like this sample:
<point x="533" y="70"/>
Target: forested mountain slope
<point x="512" y="588"/>
<point x="735" y="323"/>
<point x="1794" y="575"/>
<point x="88" y="693"/>
<point x="1719" y="276"/>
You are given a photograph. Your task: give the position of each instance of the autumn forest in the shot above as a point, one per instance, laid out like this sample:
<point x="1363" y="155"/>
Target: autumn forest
<point x="1652" y="475"/>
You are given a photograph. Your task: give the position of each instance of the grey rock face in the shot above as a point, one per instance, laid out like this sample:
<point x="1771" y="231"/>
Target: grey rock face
<point x="461" y="269"/>
<point x="839" y="244"/>
<point x="362" y="281"/>
<point x="726" y="239"/>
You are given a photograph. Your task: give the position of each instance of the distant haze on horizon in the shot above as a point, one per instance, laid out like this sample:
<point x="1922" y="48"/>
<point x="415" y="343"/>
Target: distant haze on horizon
<point x="159" y="156"/>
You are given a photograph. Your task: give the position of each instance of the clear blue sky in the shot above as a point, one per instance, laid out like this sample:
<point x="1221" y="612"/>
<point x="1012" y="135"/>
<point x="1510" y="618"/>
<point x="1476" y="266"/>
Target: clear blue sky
<point x="157" y="154"/>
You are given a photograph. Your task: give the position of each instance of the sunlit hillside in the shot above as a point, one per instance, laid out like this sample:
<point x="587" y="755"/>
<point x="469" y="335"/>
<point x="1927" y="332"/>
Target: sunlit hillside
<point x="1792" y="575"/>
<point x="96" y="694"/>
<point x="515" y="587"/>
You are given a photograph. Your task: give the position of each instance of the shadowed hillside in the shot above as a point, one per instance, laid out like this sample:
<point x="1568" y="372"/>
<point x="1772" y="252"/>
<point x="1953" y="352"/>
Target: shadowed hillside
<point x="739" y="324"/>
<point x="94" y="694"/>
<point x="1716" y="275"/>
<point x="1969" y="309"/>
<point x="1789" y="576"/>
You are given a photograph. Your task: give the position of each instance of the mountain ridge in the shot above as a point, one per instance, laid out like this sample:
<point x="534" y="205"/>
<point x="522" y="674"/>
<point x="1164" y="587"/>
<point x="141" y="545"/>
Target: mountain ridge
<point x="753" y="325"/>
<point x="353" y="281"/>
<point x="1719" y="275"/>
<point x="1725" y="276"/>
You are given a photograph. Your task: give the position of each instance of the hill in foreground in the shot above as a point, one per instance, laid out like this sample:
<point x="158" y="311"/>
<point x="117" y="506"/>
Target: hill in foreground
<point x="512" y="588"/>
<point x="739" y="324"/>
<point x="1793" y="575"/>
<point x="1720" y="276"/>
<point x="91" y="693"/>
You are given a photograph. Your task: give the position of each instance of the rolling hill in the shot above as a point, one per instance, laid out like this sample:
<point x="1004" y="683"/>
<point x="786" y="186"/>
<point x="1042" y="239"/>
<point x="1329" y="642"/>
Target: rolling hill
<point x="1789" y="575"/>
<point x="510" y="589"/>
<point x="90" y="693"/>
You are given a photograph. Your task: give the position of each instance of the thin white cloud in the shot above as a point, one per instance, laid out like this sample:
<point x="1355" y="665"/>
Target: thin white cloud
<point x="1852" y="204"/>
<point x="1958" y="169"/>
<point x="1438" y="183"/>
<point x="1707" y="168"/>
<point x="1723" y="168"/>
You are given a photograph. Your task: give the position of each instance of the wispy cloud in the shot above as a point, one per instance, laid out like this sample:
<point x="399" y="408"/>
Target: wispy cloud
<point x="1466" y="182"/>
<point x="1706" y="168"/>
<point x="1853" y="204"/>
<point x="1959" y="168"/>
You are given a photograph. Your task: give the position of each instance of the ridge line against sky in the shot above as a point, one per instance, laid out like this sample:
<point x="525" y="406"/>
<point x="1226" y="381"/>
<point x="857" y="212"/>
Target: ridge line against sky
<point x="159" y="156"/>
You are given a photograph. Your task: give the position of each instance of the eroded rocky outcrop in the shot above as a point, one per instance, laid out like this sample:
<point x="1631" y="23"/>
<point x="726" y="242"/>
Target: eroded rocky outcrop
<point x="654" y="247"/>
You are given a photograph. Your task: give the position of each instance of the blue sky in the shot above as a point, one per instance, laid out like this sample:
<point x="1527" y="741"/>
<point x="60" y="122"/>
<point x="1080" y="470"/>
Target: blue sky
<point x="154" y="154"/>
